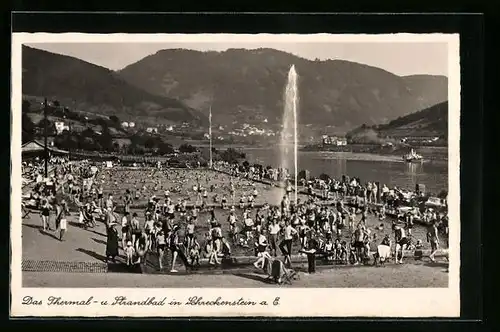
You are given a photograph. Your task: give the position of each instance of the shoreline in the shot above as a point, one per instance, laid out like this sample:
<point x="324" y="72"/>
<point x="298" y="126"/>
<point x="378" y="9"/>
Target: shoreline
<point x="430" y="153"/>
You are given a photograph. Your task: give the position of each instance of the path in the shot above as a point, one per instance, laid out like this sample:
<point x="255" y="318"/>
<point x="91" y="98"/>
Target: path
<point x="395" y="276"/>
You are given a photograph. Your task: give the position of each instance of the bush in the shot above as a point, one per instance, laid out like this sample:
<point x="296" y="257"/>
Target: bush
<point x="324" y="177"/>
<point x="443" y="194"/>
<point x="187" y="148"/>
<point x="231" y="156"/>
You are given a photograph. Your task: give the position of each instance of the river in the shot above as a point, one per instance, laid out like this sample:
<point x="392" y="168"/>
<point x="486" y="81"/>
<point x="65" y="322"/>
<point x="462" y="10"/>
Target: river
<point x="390" y="170"/>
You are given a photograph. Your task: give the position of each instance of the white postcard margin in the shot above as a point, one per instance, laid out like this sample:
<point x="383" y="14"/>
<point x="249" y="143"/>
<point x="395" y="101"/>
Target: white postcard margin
<point x="293" y="302"/>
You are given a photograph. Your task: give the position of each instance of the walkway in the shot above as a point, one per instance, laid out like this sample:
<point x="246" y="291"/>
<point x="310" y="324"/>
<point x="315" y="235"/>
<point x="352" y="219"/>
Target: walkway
<point x="395" y="276"/>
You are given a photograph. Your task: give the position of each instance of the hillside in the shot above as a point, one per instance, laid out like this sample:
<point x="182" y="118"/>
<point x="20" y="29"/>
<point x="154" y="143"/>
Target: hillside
<point x="430" y="86"/>
<point x="248" y="85"/>
<point x="90" y="88"/>
<point x="432" y="121"/>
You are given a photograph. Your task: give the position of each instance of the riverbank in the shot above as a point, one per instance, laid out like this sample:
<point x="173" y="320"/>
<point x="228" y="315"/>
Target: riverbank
<point x="430" y="153"/>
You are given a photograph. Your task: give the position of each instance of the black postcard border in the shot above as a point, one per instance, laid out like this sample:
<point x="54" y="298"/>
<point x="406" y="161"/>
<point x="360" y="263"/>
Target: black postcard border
<point x="471" y="29"/>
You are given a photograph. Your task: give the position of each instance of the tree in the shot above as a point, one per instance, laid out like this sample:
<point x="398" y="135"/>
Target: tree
<point x="27" y="124"/>
<point x="88" y="133"/>
<point x="324" y="177"/>
<point x="26" y="106"/>
<point x="443" y="194"/>
<point x="105" y="140"/>
<point x="231" y="156"/>
<point x="51" y="127"/>
<point x="150" y="143"/>
<point x="87" y="143"/>
<point x="165" y="148"/>
<point x="66" y="141"/>
<point x="114" y="119"/>
<point x="187" y="148"/>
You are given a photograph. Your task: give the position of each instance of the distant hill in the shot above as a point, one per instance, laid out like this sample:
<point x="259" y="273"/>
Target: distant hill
<point x="429" y="87"/>
<point x="248" y="86"/>
<point x="81" y="85"/>
<point x="432" y="121"/>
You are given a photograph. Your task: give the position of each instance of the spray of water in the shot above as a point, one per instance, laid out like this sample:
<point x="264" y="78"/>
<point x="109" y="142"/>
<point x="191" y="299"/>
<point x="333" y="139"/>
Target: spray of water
<point x="289" y="138"/>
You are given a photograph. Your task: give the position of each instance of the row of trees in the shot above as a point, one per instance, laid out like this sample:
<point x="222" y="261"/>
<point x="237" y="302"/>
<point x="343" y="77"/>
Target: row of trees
<point x="140" y="143"/>
<point x="103" y="142"/>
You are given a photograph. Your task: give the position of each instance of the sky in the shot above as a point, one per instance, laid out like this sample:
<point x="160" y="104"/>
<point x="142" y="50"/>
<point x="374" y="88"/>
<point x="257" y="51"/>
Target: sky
<point x="402" y="58"/>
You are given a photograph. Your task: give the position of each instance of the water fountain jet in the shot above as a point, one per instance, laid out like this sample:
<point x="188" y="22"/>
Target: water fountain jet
<point x="289" y="129"/>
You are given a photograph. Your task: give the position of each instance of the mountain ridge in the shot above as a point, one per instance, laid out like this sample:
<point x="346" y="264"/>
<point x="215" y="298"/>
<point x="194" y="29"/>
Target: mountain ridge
<point x="80" y="84"/>
<point x="248" y="86"/>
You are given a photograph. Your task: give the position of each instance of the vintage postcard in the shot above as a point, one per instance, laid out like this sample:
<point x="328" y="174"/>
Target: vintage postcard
<point x="276" y="175"/>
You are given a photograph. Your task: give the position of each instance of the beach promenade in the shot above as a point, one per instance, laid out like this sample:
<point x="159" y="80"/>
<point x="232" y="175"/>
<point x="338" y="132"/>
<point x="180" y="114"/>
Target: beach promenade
<point x="79" y="262"/>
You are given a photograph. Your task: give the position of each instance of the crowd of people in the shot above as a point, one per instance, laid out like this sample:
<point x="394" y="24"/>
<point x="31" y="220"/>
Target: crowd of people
<point x="329" y="224"/>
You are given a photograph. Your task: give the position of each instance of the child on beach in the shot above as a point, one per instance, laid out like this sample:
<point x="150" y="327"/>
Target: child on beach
<point x="63" y="222"/>
<point x="223" y="202"/>
<point x="161" y="244"/>
<point x="345" y="253"/>
<point x="149" y="230"/>
<point x="134" y="228"/>
<point x="129" y="252"/>
<point x="232" y="226"/>
<point x="189" y="233"/>
<point x="194" y="252"/>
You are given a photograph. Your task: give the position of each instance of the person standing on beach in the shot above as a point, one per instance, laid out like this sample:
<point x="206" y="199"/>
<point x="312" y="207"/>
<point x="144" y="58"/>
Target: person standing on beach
<point x="189" y="233"/>
<point x="62" y="221"/>
<point x="134" y="228"/>
<point x="385" y="193"/>
<point x="100" y="196"/>
<point x="401" y="243"/>
<point x="111" y="242"/>
<point x="58" y="213"/>
<point x="110" y="204"/>
<point x="125" y="229"/>
<point x="174" y="247"/>
<point x="432" y="237"/>
<point x="286" y="245"/>
<point x="375" y="193"/>
<point x="232" y="226"/>
<point x="368" y="193"/>
<point x="274" y="229"/>
<point x="310" y="252"/>
<point x="232" y="191"/>
<point x="45" y="213"/>
<point x="127" y="200"/>
<point x="160" y="247"/>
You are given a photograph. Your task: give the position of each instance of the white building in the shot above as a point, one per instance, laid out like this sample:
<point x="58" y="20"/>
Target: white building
<point x="125" y="124"/>
<point x="333" y="140"/>
<point x="131" y="124"/>
<point x="60" y="127"/>
<point x="169" y="128"/>
<point x="341" y="142"/>
<point x="152" y="130"/>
